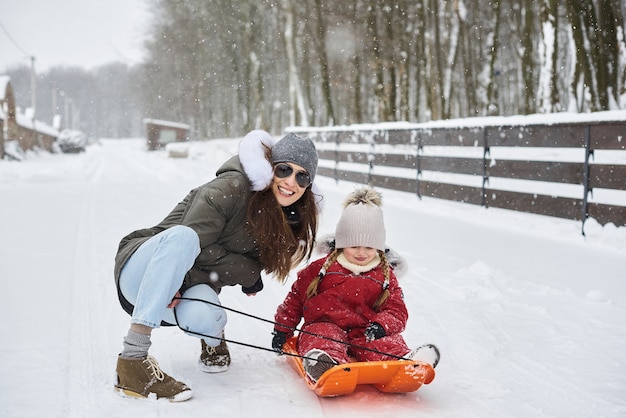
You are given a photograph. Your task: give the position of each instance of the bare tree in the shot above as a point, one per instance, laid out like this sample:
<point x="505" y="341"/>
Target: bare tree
<point x="596" y="41"/>
<point x="298" y="109"/>
<point x="322" y="56"/>
<point x="528" y="57"/>
<point x="233" y="67"/>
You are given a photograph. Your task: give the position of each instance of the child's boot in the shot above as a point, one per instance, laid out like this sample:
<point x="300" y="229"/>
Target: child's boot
<point x="427" y="353"/>
<point x="316" y="362"/>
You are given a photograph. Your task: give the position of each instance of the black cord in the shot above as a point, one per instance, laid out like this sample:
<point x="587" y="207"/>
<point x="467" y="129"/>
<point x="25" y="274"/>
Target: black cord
<point x="273" y="323"/>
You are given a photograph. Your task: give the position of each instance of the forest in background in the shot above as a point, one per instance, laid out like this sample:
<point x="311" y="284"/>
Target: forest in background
<point x="227" y="67"/>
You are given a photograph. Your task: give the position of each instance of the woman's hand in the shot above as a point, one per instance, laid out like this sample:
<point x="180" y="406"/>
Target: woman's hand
<point x="254" y="289"/>
<point x="175" y="301"/>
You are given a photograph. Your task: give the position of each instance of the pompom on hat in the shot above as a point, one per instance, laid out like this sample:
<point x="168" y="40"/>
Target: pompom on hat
<point x="361" y="223"/>
<point x="294" y="149"/>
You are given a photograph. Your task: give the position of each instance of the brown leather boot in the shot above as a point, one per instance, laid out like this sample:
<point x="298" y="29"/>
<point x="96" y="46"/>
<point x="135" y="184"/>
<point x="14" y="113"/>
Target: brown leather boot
<point x="143" y="378"/>
<point x="214" y="359"/>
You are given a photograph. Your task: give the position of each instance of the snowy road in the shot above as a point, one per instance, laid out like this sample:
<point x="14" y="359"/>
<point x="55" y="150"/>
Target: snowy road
<point x="529" y="315"/>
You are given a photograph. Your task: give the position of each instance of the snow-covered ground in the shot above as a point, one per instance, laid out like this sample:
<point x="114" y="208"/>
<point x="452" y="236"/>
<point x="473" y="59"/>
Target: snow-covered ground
<point x="530" y="316"/>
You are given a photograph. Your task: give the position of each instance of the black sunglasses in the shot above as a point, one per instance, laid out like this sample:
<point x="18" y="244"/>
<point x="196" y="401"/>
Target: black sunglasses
<point x="282" y="170"/>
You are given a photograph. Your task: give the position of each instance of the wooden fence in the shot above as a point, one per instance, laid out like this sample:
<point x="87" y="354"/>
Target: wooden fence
<point x="458" y="164"/>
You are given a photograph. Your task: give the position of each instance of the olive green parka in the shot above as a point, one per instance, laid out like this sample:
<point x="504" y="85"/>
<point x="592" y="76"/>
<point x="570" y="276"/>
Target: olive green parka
<point x="217" y="211"/>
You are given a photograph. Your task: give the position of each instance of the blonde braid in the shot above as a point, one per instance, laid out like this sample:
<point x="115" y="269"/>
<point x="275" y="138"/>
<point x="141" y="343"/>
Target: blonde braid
<point x="385" y="294"/>
<point x="312" y="289"/>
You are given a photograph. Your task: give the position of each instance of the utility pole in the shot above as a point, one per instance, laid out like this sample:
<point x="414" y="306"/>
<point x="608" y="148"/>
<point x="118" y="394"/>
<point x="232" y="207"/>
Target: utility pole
<point x="33" y="85"/>
<point x="33" y="99"/>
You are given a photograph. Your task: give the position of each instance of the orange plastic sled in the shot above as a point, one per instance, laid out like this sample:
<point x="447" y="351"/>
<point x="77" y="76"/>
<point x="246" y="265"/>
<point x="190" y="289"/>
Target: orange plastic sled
<point x="393" y="376"/>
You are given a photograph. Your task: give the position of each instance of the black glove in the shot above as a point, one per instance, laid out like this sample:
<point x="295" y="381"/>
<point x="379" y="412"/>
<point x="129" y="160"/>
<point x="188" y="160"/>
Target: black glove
<point x="278" y="341"/>
<point x="374" y="331"/>
<point x="255" y="288"/>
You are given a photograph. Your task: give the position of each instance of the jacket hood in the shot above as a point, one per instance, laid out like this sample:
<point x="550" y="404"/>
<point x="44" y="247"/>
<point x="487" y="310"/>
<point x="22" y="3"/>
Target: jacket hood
<point x="326" y="244"/>
<point x="252" y="156"/>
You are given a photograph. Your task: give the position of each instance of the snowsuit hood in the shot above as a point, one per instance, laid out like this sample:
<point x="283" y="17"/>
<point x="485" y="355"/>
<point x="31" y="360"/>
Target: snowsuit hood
<point x="326" y="244"/>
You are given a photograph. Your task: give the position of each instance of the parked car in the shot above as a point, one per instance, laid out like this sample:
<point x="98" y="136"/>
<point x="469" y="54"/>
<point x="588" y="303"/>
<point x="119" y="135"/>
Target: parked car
<point x="71" y="141"/>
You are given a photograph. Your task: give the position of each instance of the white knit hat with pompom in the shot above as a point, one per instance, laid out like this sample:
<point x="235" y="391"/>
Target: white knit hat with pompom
<point x="361" y="223"/>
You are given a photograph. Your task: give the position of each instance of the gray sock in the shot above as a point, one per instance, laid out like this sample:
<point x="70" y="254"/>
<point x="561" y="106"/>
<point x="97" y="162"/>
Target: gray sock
<point x="136" y="345"/>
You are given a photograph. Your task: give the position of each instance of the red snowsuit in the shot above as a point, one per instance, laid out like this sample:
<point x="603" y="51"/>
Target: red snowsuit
<point x="341" y="310"/>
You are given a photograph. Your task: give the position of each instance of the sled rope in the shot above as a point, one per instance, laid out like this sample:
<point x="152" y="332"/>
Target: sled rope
<point x="273" y="323"/>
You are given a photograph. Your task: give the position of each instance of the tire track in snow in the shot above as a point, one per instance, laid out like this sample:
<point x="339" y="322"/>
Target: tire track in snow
<point x="83" y="351"/>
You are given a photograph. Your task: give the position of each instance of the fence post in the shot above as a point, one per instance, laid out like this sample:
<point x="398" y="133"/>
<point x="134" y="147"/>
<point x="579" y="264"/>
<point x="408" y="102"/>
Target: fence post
<point x="483" y="200"/>
<point x="418" y="169"/>
<point x="371" y="155"/>
<point x="586" y="188"/>
<point x="335" y="169"/>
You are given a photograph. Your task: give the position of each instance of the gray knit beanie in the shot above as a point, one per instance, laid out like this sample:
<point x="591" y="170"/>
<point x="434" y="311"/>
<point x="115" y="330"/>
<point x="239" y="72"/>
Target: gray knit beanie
<point x="294" y="149"/>
<point x="361" y="223"/>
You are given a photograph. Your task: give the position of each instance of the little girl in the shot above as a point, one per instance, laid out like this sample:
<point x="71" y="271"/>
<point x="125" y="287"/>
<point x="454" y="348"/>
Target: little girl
<point x="350" y="300"/>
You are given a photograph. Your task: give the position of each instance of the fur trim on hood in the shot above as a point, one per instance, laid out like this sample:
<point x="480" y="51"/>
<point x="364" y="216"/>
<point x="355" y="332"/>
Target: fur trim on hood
<point x="252" y="157"/>
<point x="258" y="169"/>
<point x="326" y="244"/>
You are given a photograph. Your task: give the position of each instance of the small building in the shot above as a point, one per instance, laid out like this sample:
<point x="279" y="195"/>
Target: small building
<point x="160" y="133"/>
<point x="8" y="123"/>
<point x="16" y="126"/>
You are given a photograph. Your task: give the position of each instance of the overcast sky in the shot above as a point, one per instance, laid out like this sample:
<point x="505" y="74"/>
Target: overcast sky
<point x="84" y="33"/>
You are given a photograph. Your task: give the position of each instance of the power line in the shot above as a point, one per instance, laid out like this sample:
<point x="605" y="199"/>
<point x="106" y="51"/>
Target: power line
<point x="13" y="40"/>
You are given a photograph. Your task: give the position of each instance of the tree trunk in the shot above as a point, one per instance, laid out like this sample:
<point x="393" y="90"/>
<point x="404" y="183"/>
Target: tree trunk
<point x="492" y="88"/>
<point x="578" y="17"/>
<point x="320" y="44"/>
<point x="528" y="62"/>
<point x="470" y="107"/>
<point x="420" y="61"/>
<point x="297" y="108"/>
<point x="377" y="65"/>
<point x="608" y="47"/>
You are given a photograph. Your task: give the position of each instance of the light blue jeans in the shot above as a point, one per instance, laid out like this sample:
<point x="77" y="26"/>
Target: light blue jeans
<point x="153" y="275"/>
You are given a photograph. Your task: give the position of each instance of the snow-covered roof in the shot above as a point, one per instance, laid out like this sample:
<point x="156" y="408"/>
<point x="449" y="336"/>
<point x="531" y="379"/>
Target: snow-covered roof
<point x="38" y="125"/>
<point x="166" y="123"/>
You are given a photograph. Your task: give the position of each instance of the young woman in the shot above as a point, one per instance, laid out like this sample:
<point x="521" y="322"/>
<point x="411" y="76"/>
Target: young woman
<point x="260" y="213"/>
<point x="350" y="300"/>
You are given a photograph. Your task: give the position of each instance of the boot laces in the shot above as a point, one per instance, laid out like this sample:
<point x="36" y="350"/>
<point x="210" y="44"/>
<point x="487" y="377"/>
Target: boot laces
<point x="154" y="368"/>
